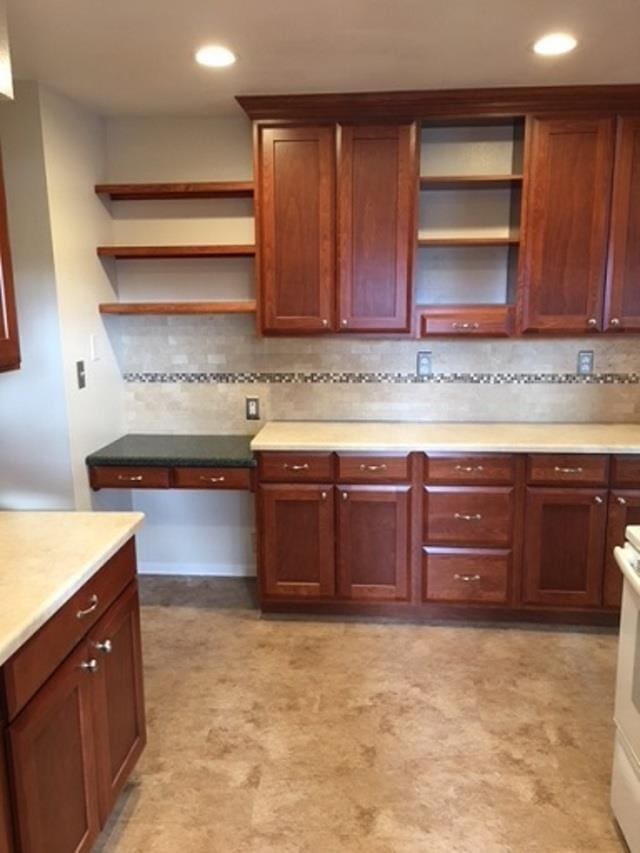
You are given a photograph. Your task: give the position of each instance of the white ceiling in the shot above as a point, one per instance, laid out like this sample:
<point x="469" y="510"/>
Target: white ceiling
<point x="136" y="56"/>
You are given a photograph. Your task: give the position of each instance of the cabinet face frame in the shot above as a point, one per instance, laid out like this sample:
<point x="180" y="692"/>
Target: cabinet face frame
<point x="9" y="343"/>
<point x="623" y="503"/>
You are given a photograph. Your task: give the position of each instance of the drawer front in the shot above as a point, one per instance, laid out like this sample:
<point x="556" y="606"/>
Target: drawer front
<point x="492" y="322"/>
<point x="121" y="477"/>
<point x="625" y="471"/>
<point x="296" y="467"/>
<point x="468" y="516"/>
<point x="466" y="575"/>
<point x="211" y="478"/>
<point x="369" y="468"/>
<point x="32" y="665"/>
<point x="579" y="469"/>
<point x="470" y="468"/>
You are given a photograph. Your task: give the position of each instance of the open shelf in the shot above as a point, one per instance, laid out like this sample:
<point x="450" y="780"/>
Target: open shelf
<point x="455" y="182"/>
<point x="247" y="306"/>
<point x="140" y="252"/>
<point x="426" y="242"/>
<point x="211" y="189"/>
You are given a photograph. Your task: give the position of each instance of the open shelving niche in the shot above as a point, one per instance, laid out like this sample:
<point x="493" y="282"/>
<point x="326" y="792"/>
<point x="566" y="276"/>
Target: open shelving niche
<point x="177" y="191"/>
<point x="469" y="218"/>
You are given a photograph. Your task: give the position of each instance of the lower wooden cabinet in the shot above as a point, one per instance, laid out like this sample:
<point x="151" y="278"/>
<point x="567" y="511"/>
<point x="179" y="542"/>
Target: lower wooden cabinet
<point x="564" y="546"/>
<point x="373" y="542"/>
<point x="624" y="509"/>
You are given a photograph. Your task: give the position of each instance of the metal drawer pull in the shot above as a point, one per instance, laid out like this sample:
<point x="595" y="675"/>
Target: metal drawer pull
<point x="93" y="604"/>
<point x="562" y="470"/>
<point x="125" y="479"/>
<point x="621" y="500"/>
<point x="598" y="499"/>
<point x="90" y="665"/>
<point x="465" y="327"/>
<point x="304" y="467"/>
<point x="464" y="517"/>
<point x="212" y="479"/>
<point x="469" y="469"/>
<point x="382" y="467"/>
<point x="467" y="578"/>
<point x="106" y="647"/>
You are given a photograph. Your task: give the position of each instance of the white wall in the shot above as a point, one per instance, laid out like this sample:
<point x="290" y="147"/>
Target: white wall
<point x="34" y="446"/>
<point x="75" y="160"/>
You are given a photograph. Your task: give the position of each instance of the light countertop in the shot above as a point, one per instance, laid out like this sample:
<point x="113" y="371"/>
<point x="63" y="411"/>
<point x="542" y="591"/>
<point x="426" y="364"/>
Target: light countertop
<point x="45" y="557"/>
<point x="370" y="436"/>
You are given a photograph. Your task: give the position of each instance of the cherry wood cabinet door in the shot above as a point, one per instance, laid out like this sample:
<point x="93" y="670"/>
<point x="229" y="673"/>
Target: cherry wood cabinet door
<point x="9" y="346"/>
<point x="295" y="211"/>
<point x="6" y="832"/>
<point x="377" y="194"/>
<point x="564" y="546"/>
<point x="622" y="302"/>
<point x="297" y="540"/>
<point x="373" y="542"/>
<point x="54" y="763"/>
<point x="565" y="225"/>
<point x="118" y="694"/>
<point x="624" y="509"/>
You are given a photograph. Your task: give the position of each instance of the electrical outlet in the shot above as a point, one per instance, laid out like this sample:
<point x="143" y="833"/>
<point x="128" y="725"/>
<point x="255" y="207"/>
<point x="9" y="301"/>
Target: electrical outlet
<point x="252" y="405"/>
<point x="81" y="375"/>
<point x="585" y="362"/>
<point x="423" y="365"/>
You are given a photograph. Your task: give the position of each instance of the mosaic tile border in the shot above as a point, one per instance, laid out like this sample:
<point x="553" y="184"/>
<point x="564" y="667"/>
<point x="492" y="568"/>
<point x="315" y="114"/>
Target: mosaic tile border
<point x="350" y="378"/>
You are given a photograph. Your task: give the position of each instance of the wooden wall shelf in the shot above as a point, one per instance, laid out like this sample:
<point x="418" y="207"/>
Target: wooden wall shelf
<point x="141" y="252"/>
<point x="456" y="182"/>
<point x="247" y="306"/>
<point x="212" y="189"/>
<point x="427" y="242"/>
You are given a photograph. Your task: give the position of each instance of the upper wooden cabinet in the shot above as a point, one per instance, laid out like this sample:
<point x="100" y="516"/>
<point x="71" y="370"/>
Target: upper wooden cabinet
<point x="9" y="346"/>
<point x="376" y="172"/>
<point x="565" y="227"/>
<point x="622" y="301"/>
<point x="376" y="226"/>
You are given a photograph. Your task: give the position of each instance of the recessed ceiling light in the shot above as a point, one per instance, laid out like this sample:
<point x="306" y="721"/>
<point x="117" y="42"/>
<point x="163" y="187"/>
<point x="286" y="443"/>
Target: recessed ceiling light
<point x="215" y="56"/>
<point x="553" y="44"/>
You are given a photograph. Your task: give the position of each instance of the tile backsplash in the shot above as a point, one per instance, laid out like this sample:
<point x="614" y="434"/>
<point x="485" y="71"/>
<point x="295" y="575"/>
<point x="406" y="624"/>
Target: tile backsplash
<point x="191" y="374"/>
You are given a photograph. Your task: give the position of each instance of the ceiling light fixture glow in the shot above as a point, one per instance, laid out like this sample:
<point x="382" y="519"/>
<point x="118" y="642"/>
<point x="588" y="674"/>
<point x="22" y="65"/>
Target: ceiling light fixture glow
<point x="554" y="44"/>
<point x="215" y="56"/>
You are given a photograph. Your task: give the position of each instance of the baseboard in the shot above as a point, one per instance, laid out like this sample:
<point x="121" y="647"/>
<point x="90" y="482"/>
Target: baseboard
<point x="214" y="570"/>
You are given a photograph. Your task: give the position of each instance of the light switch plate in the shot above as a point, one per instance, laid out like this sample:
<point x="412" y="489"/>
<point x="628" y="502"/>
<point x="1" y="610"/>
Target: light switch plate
<point x="423" y="364"/>
<point x="585" y="362"/>
<point x="81" y="375"/>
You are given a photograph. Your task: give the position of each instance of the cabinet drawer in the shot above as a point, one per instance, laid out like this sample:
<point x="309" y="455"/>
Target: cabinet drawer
<point x="296" y="467"/>
<point x="489" y="322"/>
<point x="625" y="471"/>
<point x="117" y="477"/>
<point x="367" y="468"/>
<point x="211" y="478"/>
<point x="468" y="516"/>
<point x="470" y="468"/>
<point x="466" y="574"/>
<point x="30" y="667"/>
<point x="580" y="469"/>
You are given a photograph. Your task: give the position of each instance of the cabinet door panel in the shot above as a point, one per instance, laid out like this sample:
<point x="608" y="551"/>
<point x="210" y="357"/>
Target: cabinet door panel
<point x="373" y="541"/>
<point x="568" y="180"/>
<point x="564" y="545"/>
<point x="622" y="304"/>
<point x="9" y="346"/>
<point x="53" y="753"/>
<point x="119" y="701"/>
<point x="624" y="509"/>
<point x="6" y="832"/>
<point x="377" y="186"/>
<point x="295" y="203"/>
<point x="297" y="540"/>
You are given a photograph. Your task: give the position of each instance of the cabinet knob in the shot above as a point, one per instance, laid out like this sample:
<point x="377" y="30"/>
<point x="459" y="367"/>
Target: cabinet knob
<point x="614" y="321"/>
<point x="323" y="495"/>
<point x="106" y="647"/>
<point x="592" y="321"/>
<point x="89" y="665"/>
<point x="325" y="322"/>
<point x="598" y="499"/>
<point x="343" y="322"/>
<point x="345" y="495"/>
<point x="621" y="500"/>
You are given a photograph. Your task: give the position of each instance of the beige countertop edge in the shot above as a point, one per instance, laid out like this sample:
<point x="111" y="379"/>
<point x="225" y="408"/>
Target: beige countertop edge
<point x="441" y="447"/>
<point x="50" y="605"/>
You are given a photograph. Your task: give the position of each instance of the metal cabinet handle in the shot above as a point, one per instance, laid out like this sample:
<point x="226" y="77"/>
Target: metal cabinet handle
<point x="212" y="479"/>
<point x="345" y="495"/>
<point x="323" y="496"/>
<point x="464" y="517"/>
<point x="614" y="321"/>
<point x="90" y="665"/>
<point x="137" y="479"/>
<point x="381" y="467"/>
<point x="598" y="499"/>
<point x="562" y="470"/>
<point x="468" y="469"/>
<point x="465" y="327"/>
<point x="106" y="647"/>
<point x="304" y="467"/>
<point x="93" y="604"/>
<point x="467" y="578"/>
<point x="621" y="500"/>
<point x="592" y="321"/>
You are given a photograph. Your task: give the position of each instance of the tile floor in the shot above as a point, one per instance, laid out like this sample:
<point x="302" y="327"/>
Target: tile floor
<point x="275" y="736"/>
